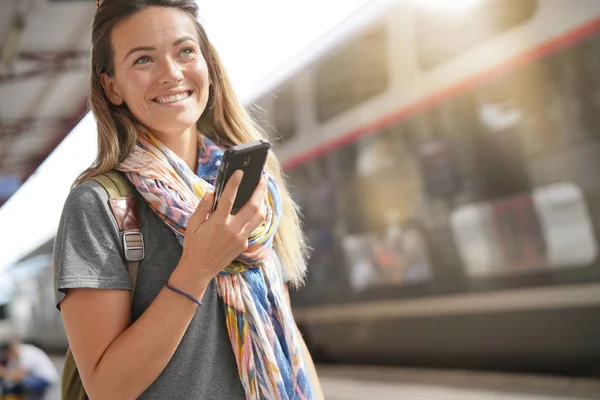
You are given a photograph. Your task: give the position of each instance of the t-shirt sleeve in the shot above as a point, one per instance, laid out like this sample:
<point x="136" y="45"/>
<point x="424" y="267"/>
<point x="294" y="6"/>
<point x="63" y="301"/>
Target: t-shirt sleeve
<point x="87" y="248"/>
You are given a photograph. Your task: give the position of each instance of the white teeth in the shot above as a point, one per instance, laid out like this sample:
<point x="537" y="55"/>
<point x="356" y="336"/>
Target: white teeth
<point x="172" y="99"/>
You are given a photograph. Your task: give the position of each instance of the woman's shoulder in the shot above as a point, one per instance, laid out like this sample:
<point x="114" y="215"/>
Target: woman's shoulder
<point x="87" y="195"/>
<point x="87" y="247"/>
<point x="90" y="201"/>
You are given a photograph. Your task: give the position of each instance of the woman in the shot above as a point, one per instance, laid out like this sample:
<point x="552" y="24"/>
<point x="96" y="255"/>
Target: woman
<point x="165" y="110"/>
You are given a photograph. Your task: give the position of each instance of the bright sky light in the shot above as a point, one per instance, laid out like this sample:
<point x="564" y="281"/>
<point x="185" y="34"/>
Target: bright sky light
<point x="254" y="39"/>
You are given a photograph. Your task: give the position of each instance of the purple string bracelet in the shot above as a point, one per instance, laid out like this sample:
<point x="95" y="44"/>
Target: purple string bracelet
<point x="171" y="288"/>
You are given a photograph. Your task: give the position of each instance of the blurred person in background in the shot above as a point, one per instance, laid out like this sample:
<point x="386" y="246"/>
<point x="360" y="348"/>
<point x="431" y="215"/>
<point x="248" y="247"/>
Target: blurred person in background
<point x="26" y="371"/>
<point x="210" y="317"/>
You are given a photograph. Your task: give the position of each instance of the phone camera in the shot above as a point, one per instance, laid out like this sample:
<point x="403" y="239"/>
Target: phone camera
<point x="246" y="160"/>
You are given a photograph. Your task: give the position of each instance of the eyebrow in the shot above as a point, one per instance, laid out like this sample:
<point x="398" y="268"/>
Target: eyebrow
<point x="149" y="48"/>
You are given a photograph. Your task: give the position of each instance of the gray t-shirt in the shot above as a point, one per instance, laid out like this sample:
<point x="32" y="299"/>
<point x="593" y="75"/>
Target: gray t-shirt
<point x="88" y="253"/>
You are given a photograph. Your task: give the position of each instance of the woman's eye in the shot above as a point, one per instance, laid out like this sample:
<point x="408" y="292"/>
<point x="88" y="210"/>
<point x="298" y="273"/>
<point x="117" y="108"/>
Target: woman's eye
<point x="188" y="52"/>
<point x="143" y="60"/>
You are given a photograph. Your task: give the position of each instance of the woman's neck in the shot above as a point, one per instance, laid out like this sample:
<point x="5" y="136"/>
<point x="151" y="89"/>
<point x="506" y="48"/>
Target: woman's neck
<point x="185" y="145"/>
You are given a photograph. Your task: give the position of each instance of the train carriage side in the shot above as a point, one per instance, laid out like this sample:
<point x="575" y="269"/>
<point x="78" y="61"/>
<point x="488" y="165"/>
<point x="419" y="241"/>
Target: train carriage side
<point x="446" y="162"/>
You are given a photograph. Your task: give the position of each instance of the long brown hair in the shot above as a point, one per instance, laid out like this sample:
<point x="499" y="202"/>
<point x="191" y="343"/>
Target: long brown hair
<point x="224" y="120"/>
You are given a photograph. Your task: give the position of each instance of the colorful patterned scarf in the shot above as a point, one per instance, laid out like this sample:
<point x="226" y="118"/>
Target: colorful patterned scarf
<point x="260" y="325"/>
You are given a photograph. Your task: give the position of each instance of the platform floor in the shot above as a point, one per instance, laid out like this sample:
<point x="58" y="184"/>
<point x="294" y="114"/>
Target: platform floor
<point x="367" y="383"/>
<point x="354" y="383"/>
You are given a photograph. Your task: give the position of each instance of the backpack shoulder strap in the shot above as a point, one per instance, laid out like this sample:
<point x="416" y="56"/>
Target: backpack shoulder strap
<point x="125" y="211"/>
<point x="71" y="385"/>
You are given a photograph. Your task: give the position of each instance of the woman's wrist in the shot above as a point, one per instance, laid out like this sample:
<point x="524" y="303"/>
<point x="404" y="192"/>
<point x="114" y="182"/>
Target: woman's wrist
<point x="184" y="294"/>
<point x="189" y="280"/>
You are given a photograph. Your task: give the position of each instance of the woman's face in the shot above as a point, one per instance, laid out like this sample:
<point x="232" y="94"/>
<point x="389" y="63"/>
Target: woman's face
<point x="160" y="73"/>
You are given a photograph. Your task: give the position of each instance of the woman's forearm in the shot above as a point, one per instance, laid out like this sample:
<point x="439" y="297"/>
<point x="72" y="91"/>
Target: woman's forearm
<point x="137" y="356"/>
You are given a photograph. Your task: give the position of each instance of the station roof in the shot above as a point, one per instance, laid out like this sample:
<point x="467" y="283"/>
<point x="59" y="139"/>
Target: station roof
<point x="44" y="73"/>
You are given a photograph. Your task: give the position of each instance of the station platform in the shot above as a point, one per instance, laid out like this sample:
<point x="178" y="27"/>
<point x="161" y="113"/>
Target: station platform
<point x="364" y="383"/>
<point x="367" y="383"/>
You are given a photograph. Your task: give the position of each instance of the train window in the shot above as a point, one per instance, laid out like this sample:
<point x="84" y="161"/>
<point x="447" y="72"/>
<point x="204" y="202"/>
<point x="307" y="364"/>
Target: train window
<point x="498" y="143"/>
<point x="586" y="79"/>
<point x="389" y="246"/>
<point x="312" y="187"/>
<point x="360" y="204"/>
<point x="495" y="183"/>
<point x="284" y="111"/>
<point x="575" y="87"/>
<point x="547" y="228"/>
<point x="534" y="137"/>
<point x="442" y="33"/>
<point x="353" y="74"/>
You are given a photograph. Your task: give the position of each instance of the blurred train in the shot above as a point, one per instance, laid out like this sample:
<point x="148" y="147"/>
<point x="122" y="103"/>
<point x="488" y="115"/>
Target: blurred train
<point x="446" y="158"/>
<point x="27" y="311"/>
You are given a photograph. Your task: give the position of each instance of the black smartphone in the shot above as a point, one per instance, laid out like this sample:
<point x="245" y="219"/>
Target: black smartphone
<point x="250" y="158"/>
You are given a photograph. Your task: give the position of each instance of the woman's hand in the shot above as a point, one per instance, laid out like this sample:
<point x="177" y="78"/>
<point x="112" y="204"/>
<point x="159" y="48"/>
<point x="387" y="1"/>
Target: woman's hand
<point x="213" y="241"/>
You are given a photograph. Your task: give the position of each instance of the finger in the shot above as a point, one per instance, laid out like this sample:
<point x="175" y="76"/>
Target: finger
<point x="202" y="211"/>
<point x="254" y="222"/>
<point x="229" y="193"/>
<point x="255" y="204"/>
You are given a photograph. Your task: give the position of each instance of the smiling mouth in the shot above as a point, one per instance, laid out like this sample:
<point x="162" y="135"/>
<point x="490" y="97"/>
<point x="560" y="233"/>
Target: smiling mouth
<point x="172" y="99"/>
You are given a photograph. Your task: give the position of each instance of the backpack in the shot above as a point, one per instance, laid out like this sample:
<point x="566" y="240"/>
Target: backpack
<point x="124" y="209"/>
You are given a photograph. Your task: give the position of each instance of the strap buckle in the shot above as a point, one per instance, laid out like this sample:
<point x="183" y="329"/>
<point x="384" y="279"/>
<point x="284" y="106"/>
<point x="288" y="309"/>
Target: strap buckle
<point x="133" y="245"/>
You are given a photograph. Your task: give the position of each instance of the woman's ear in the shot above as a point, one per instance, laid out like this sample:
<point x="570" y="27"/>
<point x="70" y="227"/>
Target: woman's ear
<point x="110" y="89"/>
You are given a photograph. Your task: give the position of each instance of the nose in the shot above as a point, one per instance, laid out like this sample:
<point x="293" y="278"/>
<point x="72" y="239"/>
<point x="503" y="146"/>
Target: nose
<point x="171" y="72"/>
